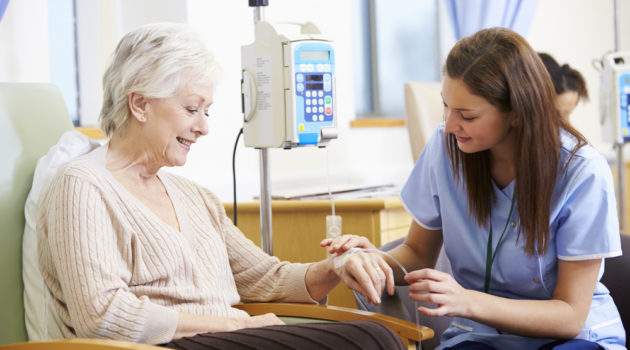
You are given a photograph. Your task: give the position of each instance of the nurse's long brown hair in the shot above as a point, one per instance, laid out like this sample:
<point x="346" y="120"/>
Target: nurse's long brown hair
<point x="500" y="66"/>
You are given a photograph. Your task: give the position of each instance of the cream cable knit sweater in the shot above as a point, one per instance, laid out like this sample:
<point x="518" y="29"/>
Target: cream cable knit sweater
<point x="117" y="271"/>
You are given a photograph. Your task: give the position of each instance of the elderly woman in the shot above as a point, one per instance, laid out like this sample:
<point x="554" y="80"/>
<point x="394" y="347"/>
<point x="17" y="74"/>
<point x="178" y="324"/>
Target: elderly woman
<point x="129" y="251"/>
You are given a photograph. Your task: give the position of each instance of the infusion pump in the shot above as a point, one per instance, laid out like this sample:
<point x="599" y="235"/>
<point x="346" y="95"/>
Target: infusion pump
<point x="615" y="97"/>
<point x="288" y="87"/>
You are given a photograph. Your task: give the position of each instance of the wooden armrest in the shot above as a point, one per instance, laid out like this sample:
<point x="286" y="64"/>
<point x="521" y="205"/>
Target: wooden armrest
<point x="80" y="344"/>
<point x="405" y="329"/>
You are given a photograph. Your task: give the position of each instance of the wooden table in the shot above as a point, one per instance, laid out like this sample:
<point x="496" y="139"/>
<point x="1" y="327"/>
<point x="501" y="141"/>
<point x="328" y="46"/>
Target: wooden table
<point x="299" y="225"/>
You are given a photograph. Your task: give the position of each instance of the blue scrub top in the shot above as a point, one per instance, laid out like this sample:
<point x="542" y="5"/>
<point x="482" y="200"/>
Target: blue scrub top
<point x="584" y="225"/>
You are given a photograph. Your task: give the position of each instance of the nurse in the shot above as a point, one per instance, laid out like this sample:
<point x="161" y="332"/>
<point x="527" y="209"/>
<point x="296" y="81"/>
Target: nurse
<point x="524" y="207"/>
<point x="568" y="83"/>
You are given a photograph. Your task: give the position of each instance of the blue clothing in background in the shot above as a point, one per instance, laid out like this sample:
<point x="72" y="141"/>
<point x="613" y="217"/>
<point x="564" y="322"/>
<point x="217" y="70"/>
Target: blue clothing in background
<point x="3" y="7"/>
<point x="584" y="225"/>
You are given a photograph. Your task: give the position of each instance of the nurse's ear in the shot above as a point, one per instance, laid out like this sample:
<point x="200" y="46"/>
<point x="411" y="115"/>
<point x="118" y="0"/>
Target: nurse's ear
<point x="138" y="106"/>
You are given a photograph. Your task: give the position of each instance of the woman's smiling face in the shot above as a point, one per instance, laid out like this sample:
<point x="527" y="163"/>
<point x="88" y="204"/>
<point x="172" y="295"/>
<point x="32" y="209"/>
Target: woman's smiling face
<point x="175" y="123"/>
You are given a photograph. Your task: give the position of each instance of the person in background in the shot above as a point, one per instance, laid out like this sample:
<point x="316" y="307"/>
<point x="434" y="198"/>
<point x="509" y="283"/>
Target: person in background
<point x="523" y="206"/>
<point x="568" y="83"/>
<point x="131" y="252"/>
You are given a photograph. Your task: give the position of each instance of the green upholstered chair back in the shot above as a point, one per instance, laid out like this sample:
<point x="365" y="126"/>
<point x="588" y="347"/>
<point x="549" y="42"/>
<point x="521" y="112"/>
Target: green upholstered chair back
<point x="32" y="118"/>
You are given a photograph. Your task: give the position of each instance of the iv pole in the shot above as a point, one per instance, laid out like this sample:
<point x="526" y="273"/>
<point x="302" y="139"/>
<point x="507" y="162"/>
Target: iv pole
<point x="266" y="235"/>
<point x="619" y="145"/>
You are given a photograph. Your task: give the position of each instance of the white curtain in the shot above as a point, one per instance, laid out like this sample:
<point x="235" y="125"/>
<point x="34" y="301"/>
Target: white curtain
<point x="24" y="54"/>
<point x="469" y="16"/>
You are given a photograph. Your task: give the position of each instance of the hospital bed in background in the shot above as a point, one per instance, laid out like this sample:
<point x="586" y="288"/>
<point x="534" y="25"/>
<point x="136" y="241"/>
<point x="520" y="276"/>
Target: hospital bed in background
<point x="32" y="119"/>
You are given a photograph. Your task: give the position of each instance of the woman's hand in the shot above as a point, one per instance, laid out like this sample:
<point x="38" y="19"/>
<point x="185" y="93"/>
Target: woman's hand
<point x="191" y="324"/>
<point x="267" y="319"/>
<point x="366" y="273"/>
<point x="341" y="244"/>
<point x="433" y="286"/>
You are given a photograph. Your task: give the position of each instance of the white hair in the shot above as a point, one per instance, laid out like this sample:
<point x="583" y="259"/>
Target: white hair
<point x="154" y="60"/>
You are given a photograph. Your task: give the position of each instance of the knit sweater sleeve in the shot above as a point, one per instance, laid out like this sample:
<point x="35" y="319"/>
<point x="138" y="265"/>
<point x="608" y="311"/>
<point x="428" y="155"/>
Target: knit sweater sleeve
<point x="91" y="259"/>
<point x="258" y="276"/>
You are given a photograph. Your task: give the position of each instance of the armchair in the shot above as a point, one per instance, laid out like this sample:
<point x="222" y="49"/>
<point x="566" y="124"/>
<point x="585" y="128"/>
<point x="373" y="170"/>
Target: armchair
<point x="423" y="113"/>
<point x="32" y="119"/>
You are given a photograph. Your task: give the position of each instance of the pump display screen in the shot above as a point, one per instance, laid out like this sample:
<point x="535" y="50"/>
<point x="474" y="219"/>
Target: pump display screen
<point x="314" y="86"/>
<point x="309" y="55"/>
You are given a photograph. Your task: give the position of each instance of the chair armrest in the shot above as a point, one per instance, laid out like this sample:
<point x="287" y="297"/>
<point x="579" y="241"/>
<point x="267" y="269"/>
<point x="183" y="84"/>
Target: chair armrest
<point x="405" y="329"/>
<point x="79" y="344"/>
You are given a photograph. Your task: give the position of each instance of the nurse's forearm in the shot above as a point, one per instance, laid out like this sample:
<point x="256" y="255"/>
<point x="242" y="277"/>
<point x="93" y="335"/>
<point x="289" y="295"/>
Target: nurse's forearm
<point x="420" y="250"/>
<point x="407" y="257"/>
<point x="530" y="318"/>
<point x="561" y="317"/>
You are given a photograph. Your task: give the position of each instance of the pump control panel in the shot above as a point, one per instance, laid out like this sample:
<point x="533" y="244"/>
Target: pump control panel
<point x="624" y="105"/>
<point x="313" y="70"/>
<point x="615" y="97"/>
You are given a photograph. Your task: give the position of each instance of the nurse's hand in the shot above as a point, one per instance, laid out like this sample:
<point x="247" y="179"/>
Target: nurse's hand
<point x="433" y="286"/>
<point x="341" y="244"/>
<point x="367" y="273"/>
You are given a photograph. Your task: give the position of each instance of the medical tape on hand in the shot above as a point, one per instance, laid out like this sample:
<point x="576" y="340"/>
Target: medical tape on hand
<point x="340" y="260"/>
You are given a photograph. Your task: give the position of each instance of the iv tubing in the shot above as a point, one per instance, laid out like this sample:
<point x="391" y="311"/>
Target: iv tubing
<point x="332" y="202"/>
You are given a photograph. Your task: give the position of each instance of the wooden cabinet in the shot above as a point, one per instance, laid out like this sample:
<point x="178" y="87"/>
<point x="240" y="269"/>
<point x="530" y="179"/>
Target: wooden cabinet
<point x="299" y="225"/>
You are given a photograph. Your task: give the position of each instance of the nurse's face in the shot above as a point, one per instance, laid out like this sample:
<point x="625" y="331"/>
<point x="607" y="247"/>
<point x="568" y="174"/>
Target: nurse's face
<point x="566" y="102"/>
<point x="476" y="124"/>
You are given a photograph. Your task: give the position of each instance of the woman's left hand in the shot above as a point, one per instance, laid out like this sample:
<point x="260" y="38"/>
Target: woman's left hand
<point x="433" y="286"/>
<point x="367" y="273"/>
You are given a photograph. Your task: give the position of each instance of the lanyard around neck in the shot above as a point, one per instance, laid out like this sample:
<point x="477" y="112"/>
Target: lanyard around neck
<point x="491" y="255"/>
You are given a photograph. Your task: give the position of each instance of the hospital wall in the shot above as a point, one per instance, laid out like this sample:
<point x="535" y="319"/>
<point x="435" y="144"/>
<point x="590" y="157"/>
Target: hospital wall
<point x="574" y="31"/>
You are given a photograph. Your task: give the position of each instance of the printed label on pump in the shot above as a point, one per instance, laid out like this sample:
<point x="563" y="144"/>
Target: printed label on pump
<point x="263" y="84"/>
